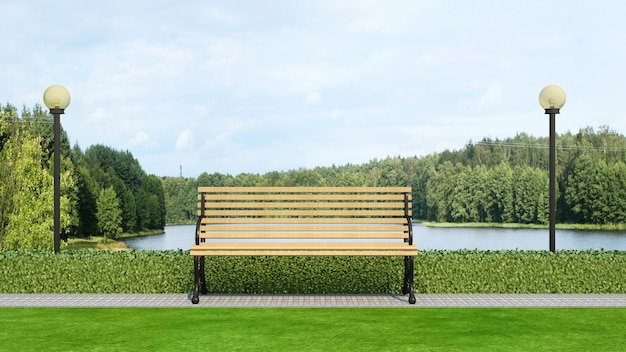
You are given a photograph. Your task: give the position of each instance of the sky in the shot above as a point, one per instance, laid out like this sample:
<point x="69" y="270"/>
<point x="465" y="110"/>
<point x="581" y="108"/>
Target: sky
<point x="239" y="86"/>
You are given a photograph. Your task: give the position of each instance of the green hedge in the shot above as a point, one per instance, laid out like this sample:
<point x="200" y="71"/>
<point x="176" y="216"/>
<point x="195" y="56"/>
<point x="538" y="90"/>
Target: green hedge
<point x="88" y="271"/>
<point x="522" y="272"/>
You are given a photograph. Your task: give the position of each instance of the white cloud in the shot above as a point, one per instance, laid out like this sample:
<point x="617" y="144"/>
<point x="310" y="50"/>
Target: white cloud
<point x="185" y="140"/>
<point x="141" y="141"/>
<point x="279" y="85"/>
<point x="312" y="98"/>
<point x="492" y="97"/>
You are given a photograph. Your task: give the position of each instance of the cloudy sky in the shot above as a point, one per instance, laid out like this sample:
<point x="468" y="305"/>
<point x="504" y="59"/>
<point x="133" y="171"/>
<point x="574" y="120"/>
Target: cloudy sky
<point x="254" y="86"/>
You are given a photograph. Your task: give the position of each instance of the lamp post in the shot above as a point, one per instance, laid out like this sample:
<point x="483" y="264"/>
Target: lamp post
<point x="57" y="98"/>
<point x="552" y="99"/>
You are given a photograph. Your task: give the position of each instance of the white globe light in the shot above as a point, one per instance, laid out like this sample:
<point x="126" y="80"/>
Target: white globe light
<point x="552" y="97"/>
<point x="56" y="97"/>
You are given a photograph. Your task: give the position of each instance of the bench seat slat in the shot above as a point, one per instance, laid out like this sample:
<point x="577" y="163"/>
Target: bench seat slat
<point x="320" y="220"/>
<point x="302" y="197"/>
<point x="301" y="205"/>
<point x="304" y="235"/>
<point x="304" y="248"/>
<point x="303" y="213"/>
<point x="302" y="228"/>
<point x="355" y="190"/>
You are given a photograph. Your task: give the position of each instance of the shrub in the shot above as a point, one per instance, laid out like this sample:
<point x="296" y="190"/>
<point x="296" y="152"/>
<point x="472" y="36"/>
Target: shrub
<point x="89" y="271"/>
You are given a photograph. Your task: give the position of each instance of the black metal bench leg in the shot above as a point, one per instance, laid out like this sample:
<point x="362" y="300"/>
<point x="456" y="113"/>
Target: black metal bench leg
<point x="203" y="288"/>
<point x="405" y="284"/>
<point x="196" y="281"/>
<point x="411" y="267"/>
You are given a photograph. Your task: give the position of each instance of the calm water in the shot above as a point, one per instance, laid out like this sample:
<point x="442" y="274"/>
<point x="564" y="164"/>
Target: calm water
<point x="182" y="237"/>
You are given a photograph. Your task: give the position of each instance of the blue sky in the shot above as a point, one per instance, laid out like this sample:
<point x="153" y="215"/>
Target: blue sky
<point x="257" y="86"/>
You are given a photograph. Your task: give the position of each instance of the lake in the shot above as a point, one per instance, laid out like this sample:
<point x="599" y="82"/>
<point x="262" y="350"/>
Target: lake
<point x="431" y="238"/>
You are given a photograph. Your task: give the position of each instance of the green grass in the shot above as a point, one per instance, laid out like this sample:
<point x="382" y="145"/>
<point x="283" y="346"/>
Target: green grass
<point x="95" y="243"/>
<point x="188" y="329"/>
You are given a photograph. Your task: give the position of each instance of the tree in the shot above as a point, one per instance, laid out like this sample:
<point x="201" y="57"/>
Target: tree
<point x="530" y="194"/>
<point x="28" y="219"/>
<point x="109" y="214"/>
<point x="151" y="204"/>
<point x="88" y="192"/>
<point x="500" y="198"/>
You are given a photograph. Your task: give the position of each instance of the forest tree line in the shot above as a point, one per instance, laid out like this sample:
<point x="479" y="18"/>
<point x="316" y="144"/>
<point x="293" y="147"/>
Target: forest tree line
<point x="104" y="192"/>
<point x="493" y="180"/>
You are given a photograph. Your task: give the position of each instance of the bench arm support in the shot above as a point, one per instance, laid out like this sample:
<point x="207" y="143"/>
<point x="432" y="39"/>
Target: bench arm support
<point x="409" y="221"/>
<point x="410" y="224"/>
<point x="198" y="230"/>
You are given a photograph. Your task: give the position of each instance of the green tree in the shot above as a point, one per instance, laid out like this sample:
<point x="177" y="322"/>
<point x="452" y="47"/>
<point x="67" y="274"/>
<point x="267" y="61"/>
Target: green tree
<point x="439" y="191"/>
<point x="530" y="195"/>
<point x="109" y="214"/>
<point x="151" y="204"/>
<point x="500" y="197"/>
<point x="28" y="217"/>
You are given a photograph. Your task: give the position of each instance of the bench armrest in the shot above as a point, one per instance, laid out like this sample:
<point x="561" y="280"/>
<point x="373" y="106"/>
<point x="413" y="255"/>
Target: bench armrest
<point x="409" y="222"/>
<point x="198" y="230"/>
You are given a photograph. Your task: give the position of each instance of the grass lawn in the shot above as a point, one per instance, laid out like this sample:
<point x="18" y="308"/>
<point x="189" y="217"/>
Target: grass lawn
<point x="95" y="243"/>
<point x="189" y="329"/>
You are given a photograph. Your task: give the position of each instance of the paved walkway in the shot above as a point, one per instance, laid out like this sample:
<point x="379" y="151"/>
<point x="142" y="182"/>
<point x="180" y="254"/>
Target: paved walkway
<point x="313" y="301"/>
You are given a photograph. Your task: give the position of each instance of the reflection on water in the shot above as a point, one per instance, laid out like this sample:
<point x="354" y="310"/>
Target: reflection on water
<point x="427" y="238"/>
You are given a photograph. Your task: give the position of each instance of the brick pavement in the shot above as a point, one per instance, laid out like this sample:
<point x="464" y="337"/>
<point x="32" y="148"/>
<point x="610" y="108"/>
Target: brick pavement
<point x="312" y="301"/>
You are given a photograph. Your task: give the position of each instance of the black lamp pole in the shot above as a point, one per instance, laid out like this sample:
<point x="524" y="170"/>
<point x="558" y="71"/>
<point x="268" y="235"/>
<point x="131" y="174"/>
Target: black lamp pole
<point x="552" y="112"/>
<point x="57" y="98"/>
<point x="57" y="177"/>
<point x="552" y="98"/>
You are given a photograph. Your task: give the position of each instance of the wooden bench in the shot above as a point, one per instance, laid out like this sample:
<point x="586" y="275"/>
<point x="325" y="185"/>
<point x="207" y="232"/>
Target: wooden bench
<point x="303" y="221"/>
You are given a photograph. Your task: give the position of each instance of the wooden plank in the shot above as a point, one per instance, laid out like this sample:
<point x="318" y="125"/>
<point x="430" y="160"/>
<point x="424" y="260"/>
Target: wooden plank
<point x="306" y="245"/>
<point x="304" y="189"/>
<point x="302" y="228"/>
<point x="294" y="220"/>
<point x="307" y="196"/>
<point x="222" y="253"/>
<point x="304" y="213"/>
<point x="303" y="248"/>
<point x="303" y="235"/>
<point x="301" y="205"/>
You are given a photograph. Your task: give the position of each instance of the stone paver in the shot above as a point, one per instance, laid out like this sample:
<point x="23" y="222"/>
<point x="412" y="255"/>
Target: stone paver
<point x="313" y="301"/>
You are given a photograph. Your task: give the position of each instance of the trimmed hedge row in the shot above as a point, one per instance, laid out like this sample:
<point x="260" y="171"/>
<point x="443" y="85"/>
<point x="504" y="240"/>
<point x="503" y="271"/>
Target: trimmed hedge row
<point x="522" y="272"/>
<point x="87" y="271"/>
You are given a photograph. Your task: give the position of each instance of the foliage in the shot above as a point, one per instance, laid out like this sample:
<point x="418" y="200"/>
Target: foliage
<point x="86" y="271"/>
<point x="109" y="214"/>
<point x="521" y="272"/>
<point x="181" y="199"/>
<point x="26" y="186"/>
<point x="488" y="181"/>
<point x="28" y="216"/>
<point x="141" y="197"/>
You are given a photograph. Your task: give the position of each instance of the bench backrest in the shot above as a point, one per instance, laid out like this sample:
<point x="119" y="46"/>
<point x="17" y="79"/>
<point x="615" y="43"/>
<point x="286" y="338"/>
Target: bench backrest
<point x="304" y="213"/>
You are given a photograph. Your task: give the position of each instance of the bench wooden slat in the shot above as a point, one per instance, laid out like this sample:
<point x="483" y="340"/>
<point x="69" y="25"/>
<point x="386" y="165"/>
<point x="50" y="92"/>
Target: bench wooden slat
<point x="304" y="231"/>
<point x="303" y="213"/>
<point x="327" y="220"/>
<point x="301" y="205"/>
<point x="302" y="227"/>
<point x="303" y="248"/>
<point x="303" y="245"/>
<point x="302" y="235"/>
<point x="305" y="189"/>
<point x="304" y="196"/>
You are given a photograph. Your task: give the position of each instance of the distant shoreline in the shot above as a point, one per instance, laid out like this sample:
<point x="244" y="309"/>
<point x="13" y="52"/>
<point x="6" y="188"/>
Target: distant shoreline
<point x="584" y="227"/>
